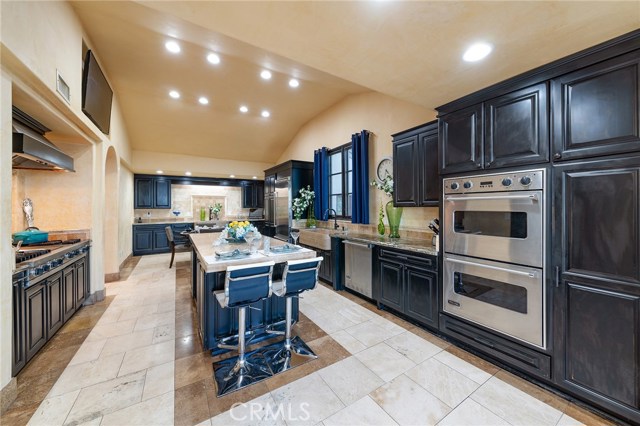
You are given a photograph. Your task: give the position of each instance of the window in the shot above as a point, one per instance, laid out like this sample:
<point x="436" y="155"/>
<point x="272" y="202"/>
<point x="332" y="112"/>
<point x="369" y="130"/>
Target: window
<point x="341" y="180"/>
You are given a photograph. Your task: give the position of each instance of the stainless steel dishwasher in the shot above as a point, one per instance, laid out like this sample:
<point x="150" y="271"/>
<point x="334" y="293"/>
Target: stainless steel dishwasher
<point x="357" y="267"/>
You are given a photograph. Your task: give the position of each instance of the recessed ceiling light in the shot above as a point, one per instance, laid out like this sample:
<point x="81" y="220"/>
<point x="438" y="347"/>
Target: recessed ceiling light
<point x="265" y="74"/>
<point x="244" y="109"/>
<point x="187" y="173"/>
<point x="203" y="100"/>
<point x="172" y="46"/>
<point x="232" y="176"/>
<point x="477" y="51"/>
<point x="265" y="113"/>
<point x="159" y="172"/>
<point x="213" y="58"/>
<point x="294" y="83"/>
<point x="174" y="94"/>
<point x="255" y="177"/>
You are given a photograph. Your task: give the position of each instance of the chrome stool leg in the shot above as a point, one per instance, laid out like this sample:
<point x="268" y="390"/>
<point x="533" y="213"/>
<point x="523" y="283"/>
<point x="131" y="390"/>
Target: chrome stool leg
<point x="245" y="369"/>
<point x="294" y="351"/>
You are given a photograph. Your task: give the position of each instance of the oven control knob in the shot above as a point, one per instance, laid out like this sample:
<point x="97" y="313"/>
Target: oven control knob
<point x="506" y="182"/>
<point x="467" y="184"/>
<point x="455" y="186"/>
<point x="525" y="180"/>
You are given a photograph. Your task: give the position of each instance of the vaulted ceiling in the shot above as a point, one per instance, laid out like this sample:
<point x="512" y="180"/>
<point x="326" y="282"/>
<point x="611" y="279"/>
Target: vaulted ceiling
<point x="408" y="50"/>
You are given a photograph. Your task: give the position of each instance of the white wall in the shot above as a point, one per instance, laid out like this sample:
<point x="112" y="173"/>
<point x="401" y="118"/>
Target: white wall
<point x="125" y="213"/>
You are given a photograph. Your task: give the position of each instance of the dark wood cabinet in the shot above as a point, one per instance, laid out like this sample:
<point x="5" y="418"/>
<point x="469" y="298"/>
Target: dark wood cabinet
<point x="597" y="288"/>
<point x="55" y="303"/>
<point x="69" y="290"/>
<point x="461" y="140"/>
<point x="407" y="283"/>
<point x="253" y="195"/>
<point x="152" y="238"/>
<point x="160" y="240"/>
<point x="18" y="350"/>
<point x="516" y="128"/>
<point x="415" y="166"/>
<point x="142" y="240"/>
<point x="152" y="193"/>
<point x="326" y="267"/>
<point x="596" y="109"/>
<point x="35" y="318"/>
<point x="81" y="281"/>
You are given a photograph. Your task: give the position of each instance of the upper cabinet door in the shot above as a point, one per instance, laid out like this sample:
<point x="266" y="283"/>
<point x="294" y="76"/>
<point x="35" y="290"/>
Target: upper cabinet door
<point x="405" y="171"/>
<point x="461" y="140"/>
<point x="516" y="128"/>
<point x="143" y="193"/>
<point x="429" y="181"/>
<point x="162" y="191"/>
<point x="596" y="109"/>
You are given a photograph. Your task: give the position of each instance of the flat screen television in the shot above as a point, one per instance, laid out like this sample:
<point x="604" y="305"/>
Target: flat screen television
<point x="96" y="94"/>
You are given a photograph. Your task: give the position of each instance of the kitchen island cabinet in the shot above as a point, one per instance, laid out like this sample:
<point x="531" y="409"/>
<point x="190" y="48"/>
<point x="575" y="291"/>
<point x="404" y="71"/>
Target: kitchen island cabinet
<point x="208" y="274"/>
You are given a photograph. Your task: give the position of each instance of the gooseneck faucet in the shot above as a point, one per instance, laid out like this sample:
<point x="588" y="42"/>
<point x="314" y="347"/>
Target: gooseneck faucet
<point x="335" y="217"/>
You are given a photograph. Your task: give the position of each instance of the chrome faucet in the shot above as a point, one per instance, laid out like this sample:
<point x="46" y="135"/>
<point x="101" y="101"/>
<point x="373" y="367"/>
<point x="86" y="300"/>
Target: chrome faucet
<point x="335" y="217"/>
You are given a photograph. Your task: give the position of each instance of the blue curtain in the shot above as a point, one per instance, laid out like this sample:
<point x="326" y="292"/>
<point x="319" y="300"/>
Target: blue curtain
<point x="321" y="181"/>
<point x="360" y="196"/>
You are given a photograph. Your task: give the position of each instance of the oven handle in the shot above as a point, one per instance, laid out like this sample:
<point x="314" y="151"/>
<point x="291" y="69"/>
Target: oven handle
<point x="495" y="268"/>
<point x="533" y="197"/>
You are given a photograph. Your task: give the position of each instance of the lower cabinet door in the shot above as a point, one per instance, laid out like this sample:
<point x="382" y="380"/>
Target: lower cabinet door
<point x="19" y="355"/>
<point x="142" y="241"/>
<point x="81" y="282"/>
<point x="35" y="309"/>
<point x="160" y="241"/>
<point x="69" y="289"/>
<point x="421" y="295"/>
<point x="55" y="304"/>
<point x="391" y="291"/>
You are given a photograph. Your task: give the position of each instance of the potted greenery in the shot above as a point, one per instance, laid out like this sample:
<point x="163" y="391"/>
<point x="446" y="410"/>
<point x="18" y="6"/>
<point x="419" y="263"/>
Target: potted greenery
<point x="394" y="214"/>
<point x="304" y="205"/>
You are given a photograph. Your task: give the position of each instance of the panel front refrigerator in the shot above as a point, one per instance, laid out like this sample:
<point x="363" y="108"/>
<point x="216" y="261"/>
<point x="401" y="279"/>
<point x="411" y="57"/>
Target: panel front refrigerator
<point x="282" y="209"/>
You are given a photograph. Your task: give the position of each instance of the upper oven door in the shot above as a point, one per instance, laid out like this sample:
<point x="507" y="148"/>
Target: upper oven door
<point x="505" y="226"/>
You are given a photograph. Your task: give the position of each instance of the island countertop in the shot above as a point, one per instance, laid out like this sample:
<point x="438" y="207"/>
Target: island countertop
<point x="206" y="252"/>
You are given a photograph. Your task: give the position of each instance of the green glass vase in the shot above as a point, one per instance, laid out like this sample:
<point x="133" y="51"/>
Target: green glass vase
<point x="381" y="227"/>
<point x="311" y="217"/>
<point x="394" y="215"/>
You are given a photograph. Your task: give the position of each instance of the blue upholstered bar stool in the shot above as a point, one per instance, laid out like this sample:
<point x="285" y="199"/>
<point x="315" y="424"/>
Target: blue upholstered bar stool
<point x="244" y="285"/>
<point x="298" y="276"/>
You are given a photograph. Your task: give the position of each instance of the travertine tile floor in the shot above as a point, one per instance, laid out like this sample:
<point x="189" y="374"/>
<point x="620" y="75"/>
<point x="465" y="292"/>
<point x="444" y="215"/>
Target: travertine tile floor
<point x="137" y="359"/>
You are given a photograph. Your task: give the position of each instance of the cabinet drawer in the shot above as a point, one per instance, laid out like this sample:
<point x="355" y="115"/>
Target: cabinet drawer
<point x="425" y="261"/>
<point x="505" y="350"/>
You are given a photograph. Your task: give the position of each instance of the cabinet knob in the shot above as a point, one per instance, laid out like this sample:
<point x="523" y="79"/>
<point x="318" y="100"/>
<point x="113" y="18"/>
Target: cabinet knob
<point x="479" y="165"/>
<point x="488" y="164"/>
<point x="557" y="156"/>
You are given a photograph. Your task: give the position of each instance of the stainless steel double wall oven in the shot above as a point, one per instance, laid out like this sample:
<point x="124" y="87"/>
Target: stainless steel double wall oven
<point x="494" y="252"/>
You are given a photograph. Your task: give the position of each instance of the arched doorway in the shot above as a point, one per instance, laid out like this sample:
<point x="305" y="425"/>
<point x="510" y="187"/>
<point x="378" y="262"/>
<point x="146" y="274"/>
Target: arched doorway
<point x="111" y="264"/>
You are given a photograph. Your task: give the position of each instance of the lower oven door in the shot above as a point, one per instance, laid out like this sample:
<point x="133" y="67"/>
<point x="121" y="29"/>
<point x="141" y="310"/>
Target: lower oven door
<point x="506" y="298"/>
<point x="507" y="227"/>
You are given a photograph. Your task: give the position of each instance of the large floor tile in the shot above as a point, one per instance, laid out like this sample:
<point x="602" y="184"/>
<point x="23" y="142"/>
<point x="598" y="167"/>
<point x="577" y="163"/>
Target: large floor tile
<point x="89" y="351"/>
<point x="308" y="400"/>
<point x="159" y="380"/>
<point x="371" y="332"/>
<point x="413" y="347"/>
<point x="112" y="329"/>
<point x="54" y="410"/>
<point x="261" y="411"/>
<point x="350" y="379"/>
<point x="148" y="356"/>
<point x="515" y="406"/>
<point x="156" y="411"/>
<point x="108" y="397"/>
<point x="470" y="412"/>
<point x="364" y="412"/>
<point x="442" y="381"/>
<point x="127" y="342"/>
<point x="385" y="361"/>
<point x="193" y="369"/>
<point x="463" y="367"/>
<point x="349" y="342"/>
<point x="409" y="403"/>
<point x="190" y="403"/>
<point x="86" y="374"/>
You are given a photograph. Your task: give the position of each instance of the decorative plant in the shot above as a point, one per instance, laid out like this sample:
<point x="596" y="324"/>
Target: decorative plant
<point x="386" y="186"/>
<point x="237" y="229"/>
<point x="216" y="208"/>
<point x="300" y="205"/>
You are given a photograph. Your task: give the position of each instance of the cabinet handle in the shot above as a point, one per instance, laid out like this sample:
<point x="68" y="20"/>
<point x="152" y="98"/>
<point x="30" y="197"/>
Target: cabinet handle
<point x="479" y="165"/>
<point x="557" y="156"/>
<point x="484" y="342"/>
<point x="557" y="276"/>
<point x="488" y="164"/>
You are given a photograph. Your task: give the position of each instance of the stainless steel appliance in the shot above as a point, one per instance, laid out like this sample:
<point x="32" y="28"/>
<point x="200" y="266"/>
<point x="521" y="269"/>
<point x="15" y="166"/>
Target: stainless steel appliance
<point x="494" y="252"/>
<point x="357" y="267"/>
<point x="282" y="211"/>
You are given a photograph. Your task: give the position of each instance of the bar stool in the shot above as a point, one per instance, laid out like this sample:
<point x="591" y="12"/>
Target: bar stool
<point x="244" y="285"/>
<point x="298" y="276"/>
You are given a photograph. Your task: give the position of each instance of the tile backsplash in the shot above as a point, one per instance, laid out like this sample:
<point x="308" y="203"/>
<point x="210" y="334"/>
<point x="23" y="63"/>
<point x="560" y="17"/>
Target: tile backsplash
<point x="189" y="199"/>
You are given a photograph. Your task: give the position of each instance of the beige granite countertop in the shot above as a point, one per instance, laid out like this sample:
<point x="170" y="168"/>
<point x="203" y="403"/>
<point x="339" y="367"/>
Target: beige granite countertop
<point x="416" y="245"/>
<point x="206" y="252"/>
<point x="169" y="221"/>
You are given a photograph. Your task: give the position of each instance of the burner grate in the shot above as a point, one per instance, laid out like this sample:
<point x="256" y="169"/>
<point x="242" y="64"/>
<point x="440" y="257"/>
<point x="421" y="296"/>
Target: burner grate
<point x="31" y="254"/>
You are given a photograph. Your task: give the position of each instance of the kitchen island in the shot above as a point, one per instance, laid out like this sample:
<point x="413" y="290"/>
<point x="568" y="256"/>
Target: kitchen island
<point x="208" y="275"/>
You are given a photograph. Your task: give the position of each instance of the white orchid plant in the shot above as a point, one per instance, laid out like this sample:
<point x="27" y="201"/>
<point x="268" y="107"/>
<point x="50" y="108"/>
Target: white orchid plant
<point x="385" y="186"/>
<point x="300" y="205"/>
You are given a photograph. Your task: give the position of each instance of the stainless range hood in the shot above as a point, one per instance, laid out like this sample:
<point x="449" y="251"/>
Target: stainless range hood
<point x="31" y="150"/>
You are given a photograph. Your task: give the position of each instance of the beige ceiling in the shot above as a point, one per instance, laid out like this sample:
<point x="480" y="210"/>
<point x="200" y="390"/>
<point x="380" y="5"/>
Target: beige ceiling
<point x="408" y="50"/>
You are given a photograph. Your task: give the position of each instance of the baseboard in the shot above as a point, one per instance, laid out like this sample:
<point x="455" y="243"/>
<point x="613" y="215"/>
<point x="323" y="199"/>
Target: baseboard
<point x="8" y="394"/>
<point x="98" y="296"/>
<point x="109" y="278"/>
<point x="125" y="261"/>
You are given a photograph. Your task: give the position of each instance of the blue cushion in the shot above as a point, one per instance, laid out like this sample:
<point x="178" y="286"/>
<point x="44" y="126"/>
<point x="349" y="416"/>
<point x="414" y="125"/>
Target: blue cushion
<point x="250" y="290"/>
<point x="301" y="281"/>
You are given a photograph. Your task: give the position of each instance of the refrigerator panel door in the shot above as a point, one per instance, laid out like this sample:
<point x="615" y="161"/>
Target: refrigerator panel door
<point x="282" y="211"/>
